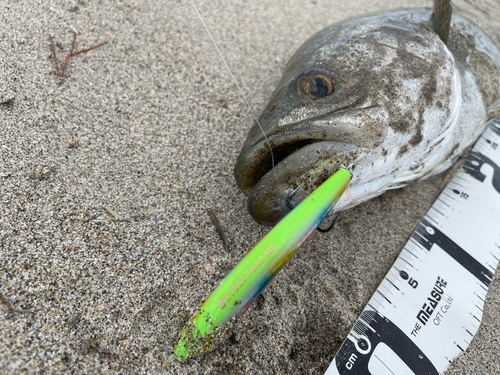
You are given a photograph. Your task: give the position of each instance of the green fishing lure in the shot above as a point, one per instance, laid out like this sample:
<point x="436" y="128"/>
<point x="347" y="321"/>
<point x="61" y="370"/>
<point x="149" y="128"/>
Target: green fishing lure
<point x="247" y="280"/>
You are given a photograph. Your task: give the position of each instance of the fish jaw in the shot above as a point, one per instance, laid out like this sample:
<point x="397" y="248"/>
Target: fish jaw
<point x="308" y="168"/>
<point x="365" y="127"/>
<point x="306" y="154"/>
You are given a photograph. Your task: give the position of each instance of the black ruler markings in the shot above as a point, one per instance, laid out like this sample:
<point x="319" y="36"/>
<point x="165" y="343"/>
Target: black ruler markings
<point x="393" y="285"/>
<point x="456" y="252"/>
<point x="459" y="177"/>
<point x="440" y="200"/>
<point x="430" y="217"/>
<point x="411" y="253"/>
<point x="435" y="209"/>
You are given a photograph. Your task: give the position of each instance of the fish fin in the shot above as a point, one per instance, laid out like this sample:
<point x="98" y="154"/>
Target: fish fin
<point x="442" y="18"/>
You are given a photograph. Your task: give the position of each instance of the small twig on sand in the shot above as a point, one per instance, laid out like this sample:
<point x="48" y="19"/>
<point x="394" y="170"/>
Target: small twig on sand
<point x="219" y="228"/>
<point x="6" y="303"/>
<point x="60" y="73"/>
<point x="88" y="49"/>
<point x="201" y="233"/>
<point x="67" y="57"/>
<point x="8" y="101"/>
<point x="52" y="48"/>
<point x="113" y="213"/>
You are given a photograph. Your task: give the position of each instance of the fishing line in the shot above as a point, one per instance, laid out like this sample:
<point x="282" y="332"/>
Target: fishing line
<point x="238" y="86"/>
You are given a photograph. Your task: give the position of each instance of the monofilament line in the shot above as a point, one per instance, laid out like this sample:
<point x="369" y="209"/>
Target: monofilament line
<point x="238" y="86"/>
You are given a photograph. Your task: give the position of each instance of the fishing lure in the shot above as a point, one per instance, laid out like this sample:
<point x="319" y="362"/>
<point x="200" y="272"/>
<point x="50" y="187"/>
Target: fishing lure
<point x="239" y="289"/>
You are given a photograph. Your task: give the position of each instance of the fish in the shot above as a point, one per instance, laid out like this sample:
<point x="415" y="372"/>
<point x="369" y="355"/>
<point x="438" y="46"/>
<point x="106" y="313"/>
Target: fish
<point x="386" y="96"/>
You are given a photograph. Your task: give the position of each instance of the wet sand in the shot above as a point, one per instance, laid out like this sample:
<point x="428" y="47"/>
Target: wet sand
<point x="106" y="179"/>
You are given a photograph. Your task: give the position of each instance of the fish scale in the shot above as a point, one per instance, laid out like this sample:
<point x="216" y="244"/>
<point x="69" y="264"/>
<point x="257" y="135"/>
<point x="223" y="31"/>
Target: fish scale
<point x="430" y="304"/>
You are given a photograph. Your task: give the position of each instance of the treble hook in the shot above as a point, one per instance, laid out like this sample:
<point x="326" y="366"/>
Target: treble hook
<point x="331" y="225"/>
<point x="289" y="198"/>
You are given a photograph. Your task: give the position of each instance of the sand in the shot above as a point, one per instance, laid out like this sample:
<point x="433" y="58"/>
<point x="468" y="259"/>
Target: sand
<point x="105" y="182"/>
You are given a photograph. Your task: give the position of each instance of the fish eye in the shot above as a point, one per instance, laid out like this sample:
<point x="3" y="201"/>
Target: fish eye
<point x="316" y="85"/>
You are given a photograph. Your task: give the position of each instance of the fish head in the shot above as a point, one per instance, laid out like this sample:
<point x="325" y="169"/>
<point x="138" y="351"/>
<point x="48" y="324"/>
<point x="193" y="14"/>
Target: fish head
<point x="333" y="106"/>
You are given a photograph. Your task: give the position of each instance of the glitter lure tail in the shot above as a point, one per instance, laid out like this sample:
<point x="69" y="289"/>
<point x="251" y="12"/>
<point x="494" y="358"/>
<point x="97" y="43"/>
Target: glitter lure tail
<point x="247" y="280"/>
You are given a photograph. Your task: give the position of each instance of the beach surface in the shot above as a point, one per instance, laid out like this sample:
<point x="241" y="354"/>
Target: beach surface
<point x="106" y="245"/>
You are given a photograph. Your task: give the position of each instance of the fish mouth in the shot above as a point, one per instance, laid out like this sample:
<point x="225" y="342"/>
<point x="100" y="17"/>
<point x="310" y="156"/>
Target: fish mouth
<point x="305" y="152"/>
<point x="258" y="160"/>
<point x="364" y="127"/>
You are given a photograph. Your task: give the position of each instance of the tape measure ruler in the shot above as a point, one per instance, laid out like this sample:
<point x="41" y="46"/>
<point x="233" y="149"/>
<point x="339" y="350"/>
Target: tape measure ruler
<point x="429" y="306"/>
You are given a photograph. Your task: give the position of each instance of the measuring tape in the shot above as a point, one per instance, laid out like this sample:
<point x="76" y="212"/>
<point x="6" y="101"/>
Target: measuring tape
<point x="430" y="304"/>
